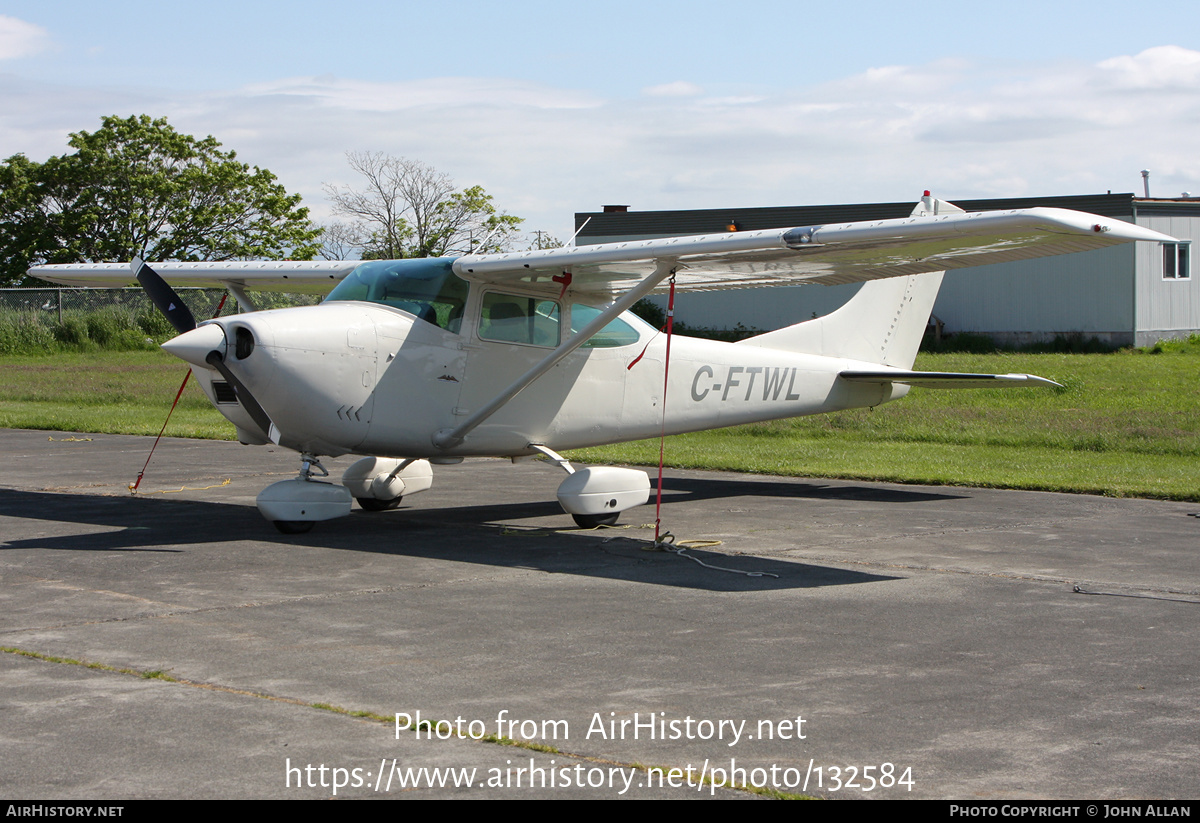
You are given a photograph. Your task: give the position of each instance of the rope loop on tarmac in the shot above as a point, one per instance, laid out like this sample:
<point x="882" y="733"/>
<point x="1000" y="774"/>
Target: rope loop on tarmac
<point x="1081" y="590"/>
<point x="516" y="531"/>
<point x="133" y="488"/>
<point x="667" y="543"/>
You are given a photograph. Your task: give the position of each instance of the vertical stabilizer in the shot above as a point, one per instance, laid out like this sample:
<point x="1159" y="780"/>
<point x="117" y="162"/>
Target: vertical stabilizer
<point x="883" y="323"/>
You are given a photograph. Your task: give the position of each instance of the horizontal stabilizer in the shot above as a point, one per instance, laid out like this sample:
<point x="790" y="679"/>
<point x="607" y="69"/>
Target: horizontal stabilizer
<point x="946" y="380"/>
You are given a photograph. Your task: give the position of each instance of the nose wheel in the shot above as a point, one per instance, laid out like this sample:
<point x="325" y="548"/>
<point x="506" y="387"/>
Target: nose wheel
<point x="293" y="506"/>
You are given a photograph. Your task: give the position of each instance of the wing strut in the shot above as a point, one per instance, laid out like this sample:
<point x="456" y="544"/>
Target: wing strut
<point x="239" y="291"/>
<point x="449" y="438"/>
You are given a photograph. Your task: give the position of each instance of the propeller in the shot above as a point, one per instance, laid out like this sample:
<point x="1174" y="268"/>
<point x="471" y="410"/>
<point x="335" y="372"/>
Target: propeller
<point x="180" y="316"/>
<point x="163" y="296"/>
<point x="252" y="407"/>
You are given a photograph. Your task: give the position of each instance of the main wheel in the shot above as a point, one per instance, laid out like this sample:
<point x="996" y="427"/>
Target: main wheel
<point x="294" y="526"/>
<point x="591" y="521"/>
<point x="370" y="504"/>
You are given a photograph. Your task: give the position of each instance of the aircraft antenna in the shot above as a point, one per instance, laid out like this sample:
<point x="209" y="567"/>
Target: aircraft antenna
<point x="571" y="242"/>
<point x="483" y="243"/>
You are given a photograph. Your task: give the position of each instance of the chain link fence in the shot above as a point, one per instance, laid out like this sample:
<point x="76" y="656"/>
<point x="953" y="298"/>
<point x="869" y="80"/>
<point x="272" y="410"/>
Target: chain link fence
<point x="40" y="320"/>
<point x="202" y="302"/>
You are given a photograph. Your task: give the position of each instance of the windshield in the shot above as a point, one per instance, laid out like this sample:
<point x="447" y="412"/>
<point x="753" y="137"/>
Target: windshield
<point x="425" y="287"/>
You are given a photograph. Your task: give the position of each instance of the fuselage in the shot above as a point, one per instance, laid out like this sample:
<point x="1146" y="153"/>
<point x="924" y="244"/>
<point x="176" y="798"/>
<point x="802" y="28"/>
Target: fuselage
<point x="382" y="367"/>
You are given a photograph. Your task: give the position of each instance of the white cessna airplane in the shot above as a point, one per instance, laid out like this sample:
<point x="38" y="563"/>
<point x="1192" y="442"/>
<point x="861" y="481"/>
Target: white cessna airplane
<point x="426" y="361"/>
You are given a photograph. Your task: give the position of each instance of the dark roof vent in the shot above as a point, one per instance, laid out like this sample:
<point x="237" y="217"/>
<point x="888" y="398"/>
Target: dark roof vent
<point x="615" y="209"/>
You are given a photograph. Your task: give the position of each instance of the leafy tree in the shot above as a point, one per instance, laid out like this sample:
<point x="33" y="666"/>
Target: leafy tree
<point x="138" y="187"/>
<point x="539" y="240"/>
<point x="25" y="230"/>
<point x="410" y="209"/>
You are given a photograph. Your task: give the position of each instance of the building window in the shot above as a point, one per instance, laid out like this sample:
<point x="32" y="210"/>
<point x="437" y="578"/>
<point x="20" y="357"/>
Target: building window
<point x="1177" y="261"/>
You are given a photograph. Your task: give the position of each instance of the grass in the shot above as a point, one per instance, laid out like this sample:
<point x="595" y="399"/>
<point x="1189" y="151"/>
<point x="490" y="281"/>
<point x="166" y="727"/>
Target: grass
<point x="1125" y="423"/>
<point x="114" y="392"/>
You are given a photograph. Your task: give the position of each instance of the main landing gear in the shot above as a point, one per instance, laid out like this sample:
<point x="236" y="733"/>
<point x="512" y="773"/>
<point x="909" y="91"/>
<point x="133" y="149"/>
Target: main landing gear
<point x="380" y="483"/>
<point x="593" y="496"/>
<point x="596" y="495"/>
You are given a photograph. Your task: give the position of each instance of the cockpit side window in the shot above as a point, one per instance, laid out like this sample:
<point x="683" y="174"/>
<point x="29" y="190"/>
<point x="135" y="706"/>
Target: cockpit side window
<point x="512" y="318"/>
<point x="426" y="288"/>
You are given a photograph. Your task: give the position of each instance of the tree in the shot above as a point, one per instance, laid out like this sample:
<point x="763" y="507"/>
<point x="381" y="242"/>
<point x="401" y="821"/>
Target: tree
<point x="343" y="241"/>
<point x="24" y="227"/>
<point x="539" y="240"/>
<point x="137" y="187"/>
<point x="410" y="209"/>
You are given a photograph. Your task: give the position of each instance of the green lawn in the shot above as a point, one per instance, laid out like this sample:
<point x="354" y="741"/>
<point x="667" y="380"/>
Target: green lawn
<point x="113" y="392"/>
<point x="1125" y="423"/>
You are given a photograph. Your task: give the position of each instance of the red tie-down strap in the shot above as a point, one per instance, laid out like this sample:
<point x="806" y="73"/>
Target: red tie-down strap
<point x="565" y="279"/>
<point x="662" y="436"/>
<point x="133" y="488"/>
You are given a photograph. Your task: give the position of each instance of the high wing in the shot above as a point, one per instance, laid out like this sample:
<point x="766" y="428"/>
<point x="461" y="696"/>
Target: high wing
<point x="937" y="238"/>
<point x="293" y="276"/>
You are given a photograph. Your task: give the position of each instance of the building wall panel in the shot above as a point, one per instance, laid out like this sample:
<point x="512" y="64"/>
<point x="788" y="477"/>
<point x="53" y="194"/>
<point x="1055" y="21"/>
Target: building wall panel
<point x="1166" y="308"/>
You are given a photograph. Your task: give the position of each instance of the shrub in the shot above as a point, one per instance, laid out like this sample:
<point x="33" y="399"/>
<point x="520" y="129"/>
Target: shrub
<point x="23" y="333"/>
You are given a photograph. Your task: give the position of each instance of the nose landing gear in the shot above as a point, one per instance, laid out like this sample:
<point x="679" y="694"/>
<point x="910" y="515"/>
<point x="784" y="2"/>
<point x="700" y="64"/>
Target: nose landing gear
<point x="294" y="505"/>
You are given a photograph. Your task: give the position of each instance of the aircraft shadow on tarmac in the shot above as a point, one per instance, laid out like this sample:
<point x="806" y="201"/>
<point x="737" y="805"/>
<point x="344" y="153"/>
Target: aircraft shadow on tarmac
<point x="482" y="534"/>
<point x="700" y="488"/>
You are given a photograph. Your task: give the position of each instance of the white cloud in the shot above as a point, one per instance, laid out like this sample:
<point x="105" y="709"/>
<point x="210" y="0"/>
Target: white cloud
<point x="679" y="88"/>
<point x="963" y="130"/>
<point x="438" y="92"/>
<point x="1157" y="68"/>
<point x="21" y="39"/>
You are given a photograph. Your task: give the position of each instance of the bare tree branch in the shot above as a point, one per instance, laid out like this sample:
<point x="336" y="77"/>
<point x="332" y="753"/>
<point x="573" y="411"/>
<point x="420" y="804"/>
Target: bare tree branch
<point x="410" y="209"/>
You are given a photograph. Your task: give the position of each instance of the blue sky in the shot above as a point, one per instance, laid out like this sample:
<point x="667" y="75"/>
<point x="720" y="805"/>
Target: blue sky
<point x="654" y="104"/>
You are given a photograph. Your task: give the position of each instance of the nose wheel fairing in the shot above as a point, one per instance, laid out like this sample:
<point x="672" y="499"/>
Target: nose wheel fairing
<point x="294" y="505"/>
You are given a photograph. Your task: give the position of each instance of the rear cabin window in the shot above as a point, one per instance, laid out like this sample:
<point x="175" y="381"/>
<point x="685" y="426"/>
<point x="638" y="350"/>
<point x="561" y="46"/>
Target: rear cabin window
<point x="617" y="333"/>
